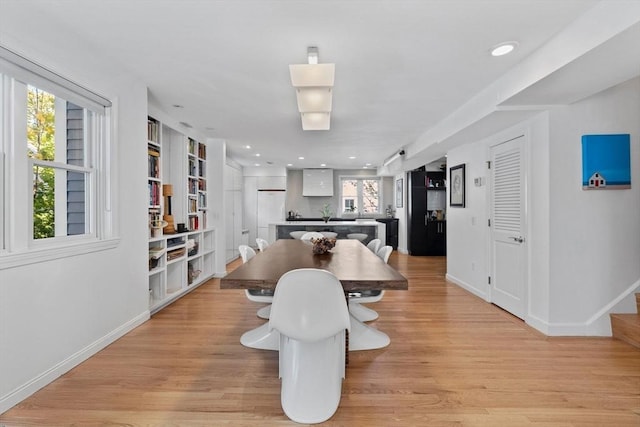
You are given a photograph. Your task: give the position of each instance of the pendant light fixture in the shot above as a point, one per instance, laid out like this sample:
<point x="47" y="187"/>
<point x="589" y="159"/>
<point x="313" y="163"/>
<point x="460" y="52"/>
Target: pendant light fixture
<point x="313" y="83"/>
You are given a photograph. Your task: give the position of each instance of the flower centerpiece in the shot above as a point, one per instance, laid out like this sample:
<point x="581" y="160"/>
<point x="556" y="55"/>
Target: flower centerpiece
<point x="326" y="212"/>
<point x="323" y="245"/>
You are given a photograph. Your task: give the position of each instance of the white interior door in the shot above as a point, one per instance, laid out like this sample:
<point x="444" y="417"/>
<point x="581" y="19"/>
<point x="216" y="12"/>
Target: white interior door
<point x="508" y="226"/>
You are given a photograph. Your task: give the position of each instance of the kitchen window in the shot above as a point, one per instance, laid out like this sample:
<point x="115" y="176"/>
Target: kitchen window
<point x="361" y="195"/>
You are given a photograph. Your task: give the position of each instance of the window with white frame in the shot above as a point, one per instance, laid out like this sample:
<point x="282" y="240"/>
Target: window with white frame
<point x="54" y="155"/>
<point x="361" y="195"/>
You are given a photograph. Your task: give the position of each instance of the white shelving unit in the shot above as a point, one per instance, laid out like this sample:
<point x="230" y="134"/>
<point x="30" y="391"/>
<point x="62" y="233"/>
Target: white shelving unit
<point x="178" y="262"/>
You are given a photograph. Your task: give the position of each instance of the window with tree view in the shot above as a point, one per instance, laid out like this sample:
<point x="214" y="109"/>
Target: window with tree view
<point x="56" y="156"/>
<point x="360" y="195"/>
<point x="57" y="149"/>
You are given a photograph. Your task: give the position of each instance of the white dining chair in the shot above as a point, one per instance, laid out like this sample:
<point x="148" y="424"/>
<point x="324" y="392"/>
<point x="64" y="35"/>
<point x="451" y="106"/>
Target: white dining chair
<point x="256" y="295"/>
<point x="358" y="236"/>
<point x="262" y="244"/>
<point x="311" y="316"/>
<point x="357" y="310"/>
<point x="297" y="234"/>
<point x="329" y="234"/>
<point x="374" y="245"/>
<point x="311" y="235"/>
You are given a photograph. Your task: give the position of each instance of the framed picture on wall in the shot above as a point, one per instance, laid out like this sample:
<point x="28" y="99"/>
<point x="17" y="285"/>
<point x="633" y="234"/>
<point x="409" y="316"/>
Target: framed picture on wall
<point x="399" y="195"/>
<point x="456" y="179"/>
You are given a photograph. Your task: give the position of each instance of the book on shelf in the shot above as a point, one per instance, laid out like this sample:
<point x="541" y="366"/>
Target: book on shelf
<point x="192" y="146"/>
<point x="152" y="130"/>
<point x="154" y="193"/>
<point x="192" y="186"/>
<point x="194" y="223"/>
<point x="153" y="162"/>
<point x="193" y="205"/>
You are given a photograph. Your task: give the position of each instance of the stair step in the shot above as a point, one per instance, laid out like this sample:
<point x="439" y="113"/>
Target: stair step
<point x="626" y="327"/>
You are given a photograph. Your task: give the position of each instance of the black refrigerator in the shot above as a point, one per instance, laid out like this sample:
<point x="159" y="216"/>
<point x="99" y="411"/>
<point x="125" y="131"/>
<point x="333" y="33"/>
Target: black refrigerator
<point x="427" y="226"/>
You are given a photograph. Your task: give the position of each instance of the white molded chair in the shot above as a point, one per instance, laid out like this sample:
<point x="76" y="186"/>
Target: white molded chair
<point x="365" y="314"/>
<point x="310" y="314"/>
<point x="262" y="244"/>
<point x="297" y="234"/>
<point x="256" y="295"/>
<point x="358" y="236"/>
<point x="374" y="245"/>
<point x="384" y="253"/>
<point x="329" y="234"/>
<point x="311" y="235"/>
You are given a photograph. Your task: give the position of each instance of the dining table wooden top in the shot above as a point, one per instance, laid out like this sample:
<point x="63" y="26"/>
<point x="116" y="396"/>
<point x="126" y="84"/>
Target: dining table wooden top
<point x="357" y="267"/>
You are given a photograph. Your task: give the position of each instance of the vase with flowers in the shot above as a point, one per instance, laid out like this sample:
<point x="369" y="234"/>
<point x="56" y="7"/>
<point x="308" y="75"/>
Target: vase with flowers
<point x="326" y="212"/>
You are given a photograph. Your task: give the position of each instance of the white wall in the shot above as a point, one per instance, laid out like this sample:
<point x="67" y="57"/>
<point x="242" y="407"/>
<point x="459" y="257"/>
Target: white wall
<point x="55" y="314"/>
<point x="583" y="246"/>
<point x="595" y="235"/>
<point x="467" y="230"/>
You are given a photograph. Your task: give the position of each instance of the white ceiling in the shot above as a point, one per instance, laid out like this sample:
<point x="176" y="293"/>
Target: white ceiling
<point x="402" y="67"/>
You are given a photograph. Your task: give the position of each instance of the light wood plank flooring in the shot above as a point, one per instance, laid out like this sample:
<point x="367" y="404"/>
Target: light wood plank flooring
<point x="453" y="360"/>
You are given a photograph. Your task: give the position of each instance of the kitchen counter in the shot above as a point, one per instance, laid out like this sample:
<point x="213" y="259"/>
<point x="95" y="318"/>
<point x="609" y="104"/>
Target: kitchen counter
<point x="371" y="227"/>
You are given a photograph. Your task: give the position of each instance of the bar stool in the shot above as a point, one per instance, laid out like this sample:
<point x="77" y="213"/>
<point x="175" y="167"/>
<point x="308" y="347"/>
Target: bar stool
<point x="311" y="235"/>
<point x="297" y="234"/>
<point x="329" y="234"/>
<point x="358" y="236"/>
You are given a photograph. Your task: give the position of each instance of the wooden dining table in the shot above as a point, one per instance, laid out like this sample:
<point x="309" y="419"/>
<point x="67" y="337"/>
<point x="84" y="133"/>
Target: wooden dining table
<point x="356" y="267"/>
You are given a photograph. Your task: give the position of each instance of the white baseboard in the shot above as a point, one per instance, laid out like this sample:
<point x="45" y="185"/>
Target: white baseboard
<point x="464" y="285"/>
<point x="599" y="325"/>
<point x="35" y="384"/>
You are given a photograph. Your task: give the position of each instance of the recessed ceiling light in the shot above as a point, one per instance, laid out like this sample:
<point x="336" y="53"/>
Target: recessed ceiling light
<point x="248" y="147"/>
<point x="323" y="164"/>
<point x="503" y="48"/>
<point x="300" y="158"/>
<point x="257" y="154"/>
<point x="352" y="157"/>
<point x="257" y="164"/>
<point x="368" y="164"/>
<point x="289" y="164"/>
<point x="365" y="167"/>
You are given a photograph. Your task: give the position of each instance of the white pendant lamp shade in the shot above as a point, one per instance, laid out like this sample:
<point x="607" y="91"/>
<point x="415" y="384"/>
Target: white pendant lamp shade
<point x="315" y="121"/>
<point x="312" y="75"/>
<point x="314" y="99"/>
<point x="314" y="91"/>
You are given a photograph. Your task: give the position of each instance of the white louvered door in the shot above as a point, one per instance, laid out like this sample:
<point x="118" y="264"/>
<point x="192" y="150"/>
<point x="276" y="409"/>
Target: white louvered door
<point x="508" y="226"/>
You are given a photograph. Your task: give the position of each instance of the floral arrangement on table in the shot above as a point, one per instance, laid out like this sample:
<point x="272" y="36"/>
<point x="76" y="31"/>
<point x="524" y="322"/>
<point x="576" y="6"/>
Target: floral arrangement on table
<point x="323" y="245"/>
<point x="326" y="212"/>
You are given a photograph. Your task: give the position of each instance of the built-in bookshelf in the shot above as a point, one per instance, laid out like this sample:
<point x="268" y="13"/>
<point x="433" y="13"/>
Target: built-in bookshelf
<point x="196" y="184"/>
<point x="154" y="180"/>
<point x="182" y="258"/>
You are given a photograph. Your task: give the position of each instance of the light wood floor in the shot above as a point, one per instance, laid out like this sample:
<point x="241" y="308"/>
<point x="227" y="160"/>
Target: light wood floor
<point x="453" y="360"/>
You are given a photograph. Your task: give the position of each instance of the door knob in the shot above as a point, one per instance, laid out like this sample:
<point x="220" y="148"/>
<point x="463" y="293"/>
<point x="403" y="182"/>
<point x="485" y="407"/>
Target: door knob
<point x="518" y="239"/>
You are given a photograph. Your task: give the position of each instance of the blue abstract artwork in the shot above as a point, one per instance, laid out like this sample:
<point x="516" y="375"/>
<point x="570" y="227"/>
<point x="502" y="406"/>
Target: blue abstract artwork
<point x="606" y="162"/>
